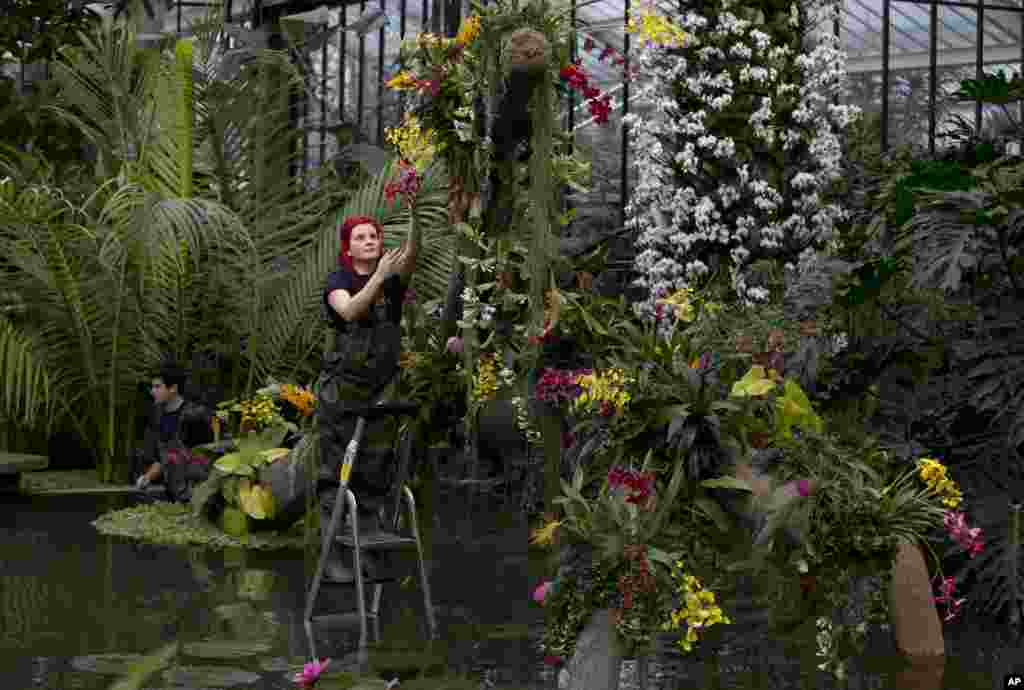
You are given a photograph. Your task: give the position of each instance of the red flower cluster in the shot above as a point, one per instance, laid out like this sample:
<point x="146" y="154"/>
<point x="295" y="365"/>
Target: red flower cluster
<point x="609" y="52"/>
<point x="632" y="584"/>
<point x="407" y="184"/>
<point x="946" y="587"/>
<point x="547" y="336"/>
<point x="600" y="104"/>
<point x="559" y="385"/>
<point x="640" y="485"/>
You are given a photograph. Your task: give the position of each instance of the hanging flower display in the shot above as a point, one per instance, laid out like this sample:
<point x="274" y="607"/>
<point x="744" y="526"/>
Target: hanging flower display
<point x="600" y="103"/>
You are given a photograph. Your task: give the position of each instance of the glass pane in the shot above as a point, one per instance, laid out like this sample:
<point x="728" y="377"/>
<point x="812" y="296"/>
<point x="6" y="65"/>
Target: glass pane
<point x="1003" y="46"/>
<point x="957" y="60"/>
<point x="909" y="82"/>
<point x="860" y="35"/>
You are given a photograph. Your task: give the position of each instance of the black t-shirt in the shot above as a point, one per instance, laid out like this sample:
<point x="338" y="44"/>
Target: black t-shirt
<point x="393" y="293"/>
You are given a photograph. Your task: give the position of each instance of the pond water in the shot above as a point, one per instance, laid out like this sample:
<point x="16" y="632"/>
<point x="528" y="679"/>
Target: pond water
<point x="72" y="602"/>
<point x="75" y="605"/>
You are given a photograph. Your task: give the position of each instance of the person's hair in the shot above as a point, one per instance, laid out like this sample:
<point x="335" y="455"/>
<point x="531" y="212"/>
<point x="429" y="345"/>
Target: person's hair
<point x="172" y="375"/>
<point x="345" y="234"/>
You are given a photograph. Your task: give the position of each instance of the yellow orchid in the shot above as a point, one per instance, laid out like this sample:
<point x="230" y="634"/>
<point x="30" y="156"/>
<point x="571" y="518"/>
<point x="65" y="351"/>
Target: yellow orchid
<point x="545" y="535"/>
<point x="403" y="81"/>
<point x="680" y="302"/>
<point x="414" y="143"/>
<point x="469" y="30"/>
<point x="657" y="28"/>
<point x="755" y="383"/>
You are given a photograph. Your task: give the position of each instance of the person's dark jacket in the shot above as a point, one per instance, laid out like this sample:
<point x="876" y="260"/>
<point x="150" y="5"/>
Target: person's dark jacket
<point x="192" y="429"/>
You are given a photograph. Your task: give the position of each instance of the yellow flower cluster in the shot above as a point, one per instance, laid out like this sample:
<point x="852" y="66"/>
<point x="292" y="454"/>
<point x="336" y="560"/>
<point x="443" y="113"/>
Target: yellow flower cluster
<point x="487" y="378"/>
<point x="414" y="143"/>
<point x="429" y="40"/>
<point x="257" y="412"/>
<point x="469" y="30"/>
<point x="933" y="473"/>
<point x="700" y="609"/>
<point x="408" y="360"/>
<point x="658" y="29"/>
<point x="403" y="81"/>
<point x="607" y="390"/>
<point x="681" y="303"/>
<point x="545" y="534"/>
<point x="303" y="400"/>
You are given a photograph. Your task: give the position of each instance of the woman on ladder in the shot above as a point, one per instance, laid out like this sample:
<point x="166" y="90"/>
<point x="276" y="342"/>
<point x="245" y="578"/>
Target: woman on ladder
<point x="363" y="302"/>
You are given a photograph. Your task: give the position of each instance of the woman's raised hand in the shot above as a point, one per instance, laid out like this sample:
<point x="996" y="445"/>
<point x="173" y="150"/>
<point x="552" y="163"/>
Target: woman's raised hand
<point x="391" y="263"/>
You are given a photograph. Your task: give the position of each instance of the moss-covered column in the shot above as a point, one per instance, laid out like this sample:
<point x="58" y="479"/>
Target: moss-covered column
<point x="543" y="208"/>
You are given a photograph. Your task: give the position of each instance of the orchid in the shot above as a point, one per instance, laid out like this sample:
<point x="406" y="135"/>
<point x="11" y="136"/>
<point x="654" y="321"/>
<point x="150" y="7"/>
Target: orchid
<point x="704" y="194"/>
<point x="969" y="538"/>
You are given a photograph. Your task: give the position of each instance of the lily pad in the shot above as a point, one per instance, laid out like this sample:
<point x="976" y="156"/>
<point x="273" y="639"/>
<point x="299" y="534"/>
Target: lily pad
<point x="234" y="611"/>
<point x="405" y="664"/>
<point x="340" y="680"/>
<point x="105" y="664"/>
<point x="226" y="649"/>
<point x="212" y="676"/>
<point x="510" y="631"/>
<point x="276" y="664"/>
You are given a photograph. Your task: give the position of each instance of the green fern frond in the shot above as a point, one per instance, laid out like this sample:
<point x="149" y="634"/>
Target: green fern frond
<point x="25" y="393"/>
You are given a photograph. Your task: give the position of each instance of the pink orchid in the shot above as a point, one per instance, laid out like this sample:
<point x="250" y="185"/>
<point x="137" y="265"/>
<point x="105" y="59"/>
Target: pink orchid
<point x="311" y="673"/>
<point x="454" y="345"/>
<point x="969" y="538"/>
<point x="541" y="592"/>
<point x="802" y="487"/>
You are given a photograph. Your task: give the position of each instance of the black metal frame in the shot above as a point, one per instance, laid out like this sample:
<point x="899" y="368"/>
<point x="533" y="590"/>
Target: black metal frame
<point x="980" y="32"/>
<point x="448" y="21"/>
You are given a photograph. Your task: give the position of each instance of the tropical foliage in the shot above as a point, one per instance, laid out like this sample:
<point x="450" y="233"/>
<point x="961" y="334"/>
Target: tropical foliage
<point x="171" y="249"/>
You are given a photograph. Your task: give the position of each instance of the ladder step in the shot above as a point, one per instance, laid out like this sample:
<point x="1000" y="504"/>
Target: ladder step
<point x="378" y="540"/>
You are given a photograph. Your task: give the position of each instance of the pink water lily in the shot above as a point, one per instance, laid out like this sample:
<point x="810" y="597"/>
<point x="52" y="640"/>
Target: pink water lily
<point x="541" y="592"/>
<point x="311" y="673"/>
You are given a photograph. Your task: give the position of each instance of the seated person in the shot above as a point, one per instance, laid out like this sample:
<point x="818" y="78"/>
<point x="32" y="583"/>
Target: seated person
<point x="174" y="421"/>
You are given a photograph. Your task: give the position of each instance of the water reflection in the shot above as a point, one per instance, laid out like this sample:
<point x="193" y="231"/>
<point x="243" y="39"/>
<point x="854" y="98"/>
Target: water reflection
<point x="72" y="604"/>
<point x="76" y="607"/>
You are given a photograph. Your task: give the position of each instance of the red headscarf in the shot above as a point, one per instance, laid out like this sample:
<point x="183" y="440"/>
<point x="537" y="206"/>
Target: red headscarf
<point x="345" y="234"/>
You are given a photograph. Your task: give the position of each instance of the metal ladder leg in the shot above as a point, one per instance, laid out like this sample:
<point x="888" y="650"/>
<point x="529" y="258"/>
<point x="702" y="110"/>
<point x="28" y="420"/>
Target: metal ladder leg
<point x="343" y="497"/>
<point x="424" y="578"/>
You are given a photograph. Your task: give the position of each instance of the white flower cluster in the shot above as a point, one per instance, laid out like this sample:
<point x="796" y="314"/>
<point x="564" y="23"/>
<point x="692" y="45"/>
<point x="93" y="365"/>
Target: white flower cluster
<point x="474" y="312"/>
<point x="704" y="185"/>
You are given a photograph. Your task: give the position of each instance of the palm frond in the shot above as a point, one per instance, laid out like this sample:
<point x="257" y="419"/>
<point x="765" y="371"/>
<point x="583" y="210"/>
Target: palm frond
<point x="293" y="320"/>
<point x="25" y="395"/>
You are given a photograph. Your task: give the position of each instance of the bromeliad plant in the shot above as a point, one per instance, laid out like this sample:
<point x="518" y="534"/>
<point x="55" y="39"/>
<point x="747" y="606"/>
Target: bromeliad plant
<point x="256" y="428"/>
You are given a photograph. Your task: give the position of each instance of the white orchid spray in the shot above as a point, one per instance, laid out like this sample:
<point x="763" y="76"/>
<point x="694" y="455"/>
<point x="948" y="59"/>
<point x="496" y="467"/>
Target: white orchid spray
<point x="737" y="147"/>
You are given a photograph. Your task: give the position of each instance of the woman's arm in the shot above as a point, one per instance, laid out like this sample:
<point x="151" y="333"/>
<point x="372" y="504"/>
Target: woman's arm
<point x="412" y="247"/>
<point x="354" y="308"/>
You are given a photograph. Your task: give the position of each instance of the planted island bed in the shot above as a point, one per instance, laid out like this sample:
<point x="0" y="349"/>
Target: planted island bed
<point x="63" y="481"/>
<point x="176" y="525"/>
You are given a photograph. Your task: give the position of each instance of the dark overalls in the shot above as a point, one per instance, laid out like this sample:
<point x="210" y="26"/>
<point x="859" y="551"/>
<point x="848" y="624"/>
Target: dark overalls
<point x="360" y="368"/>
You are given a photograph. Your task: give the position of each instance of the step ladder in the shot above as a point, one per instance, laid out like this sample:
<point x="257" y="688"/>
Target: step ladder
<point x="391" y="539"/>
